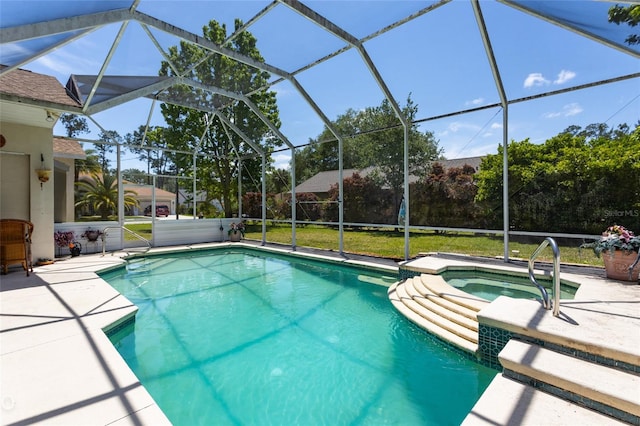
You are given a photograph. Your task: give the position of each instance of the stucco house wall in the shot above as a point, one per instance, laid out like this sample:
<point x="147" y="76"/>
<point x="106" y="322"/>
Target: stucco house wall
<point x="64" y="189"/>
<point x="32" y="142"/>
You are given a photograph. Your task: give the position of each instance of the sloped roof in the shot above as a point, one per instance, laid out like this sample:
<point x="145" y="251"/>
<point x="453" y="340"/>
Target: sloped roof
<point x="35" y="86"/>
<point x="145" y="191"/>
<point x="68" y="148"/>
<point x="322" y="181"/>
<point x="459" y="162"/>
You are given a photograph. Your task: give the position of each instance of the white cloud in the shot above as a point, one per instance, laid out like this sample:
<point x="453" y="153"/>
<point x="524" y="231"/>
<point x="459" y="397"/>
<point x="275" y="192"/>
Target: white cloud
<point x="474" y="102"/>
<point x="535" y="79"/>
<point x="281" y="160"/>
<point x="281" y="90"/>
<point x="462" y="150"/>
<point x="572" y="109"/>
<point x="458" y="126"/>
<point x="496" y="126"/>
<point x="568" y="110"/>
<point x="564" y="76"/>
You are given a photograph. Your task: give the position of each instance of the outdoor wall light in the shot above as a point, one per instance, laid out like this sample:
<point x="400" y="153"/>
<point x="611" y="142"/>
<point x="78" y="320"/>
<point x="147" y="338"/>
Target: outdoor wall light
<point x="43" y="173"/>
<point x="49" y="117"/>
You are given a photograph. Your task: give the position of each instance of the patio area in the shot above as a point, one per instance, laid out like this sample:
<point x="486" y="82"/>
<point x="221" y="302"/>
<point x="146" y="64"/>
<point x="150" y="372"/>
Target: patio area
<point x="58" y="366"/>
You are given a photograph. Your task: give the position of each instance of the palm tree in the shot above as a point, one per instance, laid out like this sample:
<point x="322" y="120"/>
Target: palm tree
<point x="91" y="164"/>
<point x="101" y="192"/>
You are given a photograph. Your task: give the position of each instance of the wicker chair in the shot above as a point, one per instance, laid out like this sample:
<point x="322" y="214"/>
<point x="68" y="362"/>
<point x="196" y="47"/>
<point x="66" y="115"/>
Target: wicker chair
<point x="15" y="244"/>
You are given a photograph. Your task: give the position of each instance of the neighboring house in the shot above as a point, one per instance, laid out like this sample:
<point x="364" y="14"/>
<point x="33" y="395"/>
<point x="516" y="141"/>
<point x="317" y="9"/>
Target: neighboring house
<point x="145" y="197"/>
<point x="321" y="183"/>
<point x="459" y="162"/>
<point x="30" y="105"/>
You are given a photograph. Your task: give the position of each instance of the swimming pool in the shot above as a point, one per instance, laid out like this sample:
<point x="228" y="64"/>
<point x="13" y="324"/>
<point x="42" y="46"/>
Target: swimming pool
<point x="240" y="337"/>
<point x="490" y="285"/>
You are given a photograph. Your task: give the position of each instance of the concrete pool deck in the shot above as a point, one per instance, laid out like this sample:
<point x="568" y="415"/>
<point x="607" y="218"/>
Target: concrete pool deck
<point x="58" y="367"/>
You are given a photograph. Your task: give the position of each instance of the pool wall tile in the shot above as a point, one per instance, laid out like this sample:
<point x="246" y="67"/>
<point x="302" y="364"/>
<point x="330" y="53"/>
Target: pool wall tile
<point x="117" y="327"/>
<point x="404" y="274"/>
<point x="594" y="358"/>
<point x="491" y="341"/>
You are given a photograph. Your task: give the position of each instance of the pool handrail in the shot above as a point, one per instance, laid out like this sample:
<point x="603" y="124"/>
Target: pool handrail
<point x="556" y="275"/>
<point x="138" y="236"/>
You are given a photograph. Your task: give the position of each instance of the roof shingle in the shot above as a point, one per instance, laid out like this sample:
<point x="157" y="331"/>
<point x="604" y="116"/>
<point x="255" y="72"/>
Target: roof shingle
<point x="31" y="85"/>
<point x="68" y="148"/>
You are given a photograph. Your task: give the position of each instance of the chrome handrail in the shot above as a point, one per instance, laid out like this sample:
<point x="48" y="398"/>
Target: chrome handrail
<point x="556" y="275"/>
<point x="138" y="236"/>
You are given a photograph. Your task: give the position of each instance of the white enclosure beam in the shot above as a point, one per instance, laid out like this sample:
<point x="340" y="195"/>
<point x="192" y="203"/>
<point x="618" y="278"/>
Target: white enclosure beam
<point x="505" y="122"/>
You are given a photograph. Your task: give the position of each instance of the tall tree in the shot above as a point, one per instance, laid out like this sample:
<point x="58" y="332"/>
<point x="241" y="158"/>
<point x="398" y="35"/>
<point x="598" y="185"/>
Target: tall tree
<point x="104" y="149"/>
<point x="575" y="182"/>
<point x="374" y="137"/>
<point x="385" y="148"/>
<point x="322" y="152"/>
<point x="134" y="176"/>
<point x="146" y="148"/>
<point x="74" y="124"/>
<point x="278" y="180"/>
<point x="90" y="164"/>
<point x="217" y="171"/>
<point x="629" y="15"/>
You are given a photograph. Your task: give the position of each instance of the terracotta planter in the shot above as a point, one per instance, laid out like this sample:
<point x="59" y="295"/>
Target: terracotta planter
<point x="235" y="236"/>
<point x="617" y="266"/>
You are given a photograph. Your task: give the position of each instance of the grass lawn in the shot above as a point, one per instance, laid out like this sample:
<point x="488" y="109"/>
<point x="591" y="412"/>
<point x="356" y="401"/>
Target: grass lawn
<point x="390" y="244"/>
<point x="142" y="229"/>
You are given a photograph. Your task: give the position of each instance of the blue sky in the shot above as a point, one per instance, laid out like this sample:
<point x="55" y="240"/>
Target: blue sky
<point x="438" y="58"/>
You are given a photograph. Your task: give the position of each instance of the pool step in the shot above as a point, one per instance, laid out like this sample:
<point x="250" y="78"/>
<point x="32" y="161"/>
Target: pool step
<point x="437" y="285"/>
<point x="458" y="314"/>
<point x="137" y="265"/>
<point x="430" y="303"/>
<point x="508" y="402"/>
<point x="400" y="300"/>
<point x="605" y="389"/>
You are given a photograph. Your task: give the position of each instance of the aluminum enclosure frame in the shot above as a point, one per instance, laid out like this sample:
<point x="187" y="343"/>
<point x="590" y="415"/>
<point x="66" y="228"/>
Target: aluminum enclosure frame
<point x="79" y="26"/>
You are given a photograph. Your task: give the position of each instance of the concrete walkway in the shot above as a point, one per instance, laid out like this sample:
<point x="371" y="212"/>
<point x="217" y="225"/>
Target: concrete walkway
<point x="57" y="365"/>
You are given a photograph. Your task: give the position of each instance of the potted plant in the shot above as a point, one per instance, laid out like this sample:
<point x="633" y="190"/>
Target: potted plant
<point x="91" y="234"/>
<point x="42" y="261"/>
<point x="236" y="231"/>
<point x="620" y="249"/>
<point x="75" y="248"/>
<point x="63" y="239"/>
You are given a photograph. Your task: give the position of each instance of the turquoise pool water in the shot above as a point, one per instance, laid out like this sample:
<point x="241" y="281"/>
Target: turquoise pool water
<point x="489" y="285"/>
<point x="239" y="337"/>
